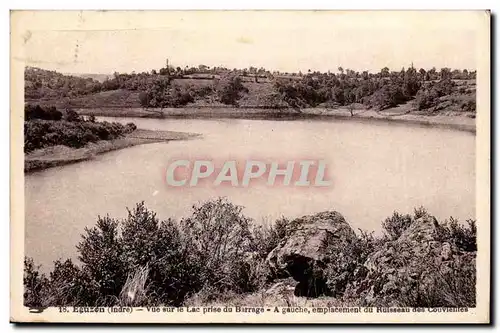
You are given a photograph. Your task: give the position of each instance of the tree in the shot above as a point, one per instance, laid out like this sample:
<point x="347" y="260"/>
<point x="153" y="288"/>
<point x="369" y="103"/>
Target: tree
<point x="349" y="98"/>
<point x="72" y="115"/>
<point x="445" y="73"/>
<point x="101" y="253"/>
<point x="411" y="83"/>
<point x="163" y="94"/>
<point x="229" y="89"/>
<point x="144" y="99"/>
<point x="432" y="72"/>
<point x="422" y="74"/>
<point x="351" y="109"/>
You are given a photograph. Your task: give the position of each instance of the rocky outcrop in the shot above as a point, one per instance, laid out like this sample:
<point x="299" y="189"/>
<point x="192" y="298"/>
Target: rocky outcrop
<point x="422" y="267"/>
<point x="415" y="269"/>
<point x="306" y="252"/>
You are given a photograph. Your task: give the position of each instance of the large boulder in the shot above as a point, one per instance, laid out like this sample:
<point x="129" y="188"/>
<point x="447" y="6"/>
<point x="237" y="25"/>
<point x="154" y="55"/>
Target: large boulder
<point x="419" y="268"/>
<point x="306" y="253"/>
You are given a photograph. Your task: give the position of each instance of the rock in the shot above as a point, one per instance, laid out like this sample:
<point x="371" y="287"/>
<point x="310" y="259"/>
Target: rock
<point x="405" y="269"/>
<point x="307" y="252"/>
<point x="446" y="252"/>
<point x="283" y="287"/>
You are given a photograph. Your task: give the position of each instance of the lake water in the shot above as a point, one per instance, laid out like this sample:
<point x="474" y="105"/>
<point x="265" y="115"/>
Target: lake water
<point x="375" y="169"/>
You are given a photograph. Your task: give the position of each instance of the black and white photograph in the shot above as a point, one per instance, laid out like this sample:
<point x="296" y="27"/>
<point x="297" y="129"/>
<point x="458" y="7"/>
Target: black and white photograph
<point x="250" y="166"/>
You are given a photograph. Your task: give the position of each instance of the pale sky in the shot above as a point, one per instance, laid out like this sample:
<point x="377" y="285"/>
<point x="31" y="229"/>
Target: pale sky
<point x="104" y="42"/>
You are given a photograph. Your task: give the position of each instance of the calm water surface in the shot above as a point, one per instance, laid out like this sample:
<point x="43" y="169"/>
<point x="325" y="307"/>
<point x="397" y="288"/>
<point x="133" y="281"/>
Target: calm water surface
<point x="375" y="168"/>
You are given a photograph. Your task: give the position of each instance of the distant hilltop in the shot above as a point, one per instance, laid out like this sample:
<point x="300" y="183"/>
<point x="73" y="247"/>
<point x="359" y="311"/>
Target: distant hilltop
<point x="97" y="77"/>
<point x="424" y="91"/>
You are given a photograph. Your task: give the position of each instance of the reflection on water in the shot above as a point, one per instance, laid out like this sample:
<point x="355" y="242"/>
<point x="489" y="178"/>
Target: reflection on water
<point x="375" y="169"/>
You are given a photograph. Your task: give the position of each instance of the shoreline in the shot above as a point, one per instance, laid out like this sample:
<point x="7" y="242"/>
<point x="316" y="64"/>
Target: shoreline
<point x="49" y="157"/>
<point x="395" y="115"/>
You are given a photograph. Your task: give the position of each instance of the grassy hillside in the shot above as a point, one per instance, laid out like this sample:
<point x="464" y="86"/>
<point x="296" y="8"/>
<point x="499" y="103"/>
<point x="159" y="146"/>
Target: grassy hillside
<point x="105" y="99"/>
<point x="418" y="92"/>
<point x="97" y="77"/>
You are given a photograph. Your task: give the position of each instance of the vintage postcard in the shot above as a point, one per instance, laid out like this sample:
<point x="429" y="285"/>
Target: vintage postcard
<point x="250" y="166"/>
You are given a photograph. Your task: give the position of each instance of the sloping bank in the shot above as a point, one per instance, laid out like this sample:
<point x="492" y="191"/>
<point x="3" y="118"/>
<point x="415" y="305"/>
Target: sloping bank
<point x="60" y="155"/>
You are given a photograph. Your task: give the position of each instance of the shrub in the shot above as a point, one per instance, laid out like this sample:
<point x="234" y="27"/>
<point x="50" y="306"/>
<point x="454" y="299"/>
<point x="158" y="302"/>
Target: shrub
<point x="72" y="115"/>
<point x="130" y="127"/>
<point x="426" y="99"/>
<point x="37" y="112"/>
<point x="35" y="285"/>
<point x="396" y="224"/>
<point x="179" y="96"/>
<point x="75" y="134"/>
<point x="469" y="105"/>
<point x="229" y="89"/>
<point x="389" y="95"/>
<point x="441" y="285"/>
<point x="159" y="247"/>
<point x="70" y="285"/>
<point x="101" y="252"/>
<point x="144" y="99"/>
<point x="219" y="238"/>
<point x="266" y="237"/>
<point x="463" y="236"/>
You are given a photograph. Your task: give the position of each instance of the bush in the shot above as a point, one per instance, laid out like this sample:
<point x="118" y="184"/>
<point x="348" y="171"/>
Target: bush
<point x="395" y="225"/>
<point x="70" y="285"/>
<point x="35" y="285"/>
<point x="426" y="99"/>
<point x="389" y="95"/>
<point x="160" y="247"/>
<point x="266" y="237"/>
<point x="463" y="236"/>
<point x="219" y="238"/>
<point x="469" y="106"/>
<point x="72" y="116"/>
<point x="101" y="254"/>
<point x="130" y="127"/>
<point x="75" y="134"/>
<point x="229" y="89"/>
<point x="144" y="99"/>
<point x="441" y="285"/>
<point x="37" y="112"/>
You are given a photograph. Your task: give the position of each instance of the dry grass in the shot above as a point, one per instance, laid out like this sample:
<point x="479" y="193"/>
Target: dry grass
<point x="134" y="292"/>
<point x="268" y="299"/>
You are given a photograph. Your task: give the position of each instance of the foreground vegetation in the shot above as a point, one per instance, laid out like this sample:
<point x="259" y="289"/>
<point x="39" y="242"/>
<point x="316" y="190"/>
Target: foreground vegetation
<point x="219" y="255"/>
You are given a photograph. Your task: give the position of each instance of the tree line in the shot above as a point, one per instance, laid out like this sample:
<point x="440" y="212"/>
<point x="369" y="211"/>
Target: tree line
<point x="46" y="127"/>
<point x="380" y="90"/>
